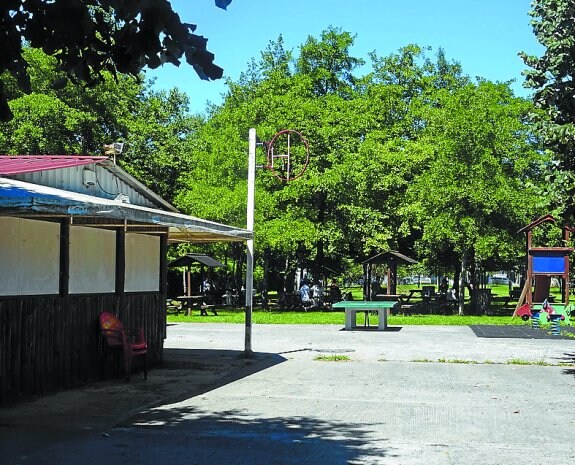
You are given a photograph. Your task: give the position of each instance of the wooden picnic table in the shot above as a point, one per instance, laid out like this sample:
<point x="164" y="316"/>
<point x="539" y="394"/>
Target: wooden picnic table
<point x="390" y="297"/>
<point x="189" y="302"/>
<point x="412" y="293"/>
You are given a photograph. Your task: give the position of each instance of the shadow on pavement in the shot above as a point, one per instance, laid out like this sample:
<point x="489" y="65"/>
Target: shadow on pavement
<point x="211" y="368"/>
<point x="191" y="435"/>
<point x="570" y="359"/>
<point x="92" y="409"/>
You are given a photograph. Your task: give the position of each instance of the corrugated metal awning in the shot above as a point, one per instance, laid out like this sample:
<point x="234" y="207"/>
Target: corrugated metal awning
<point x="28" y="164"/>
<point x="19" y="198"/>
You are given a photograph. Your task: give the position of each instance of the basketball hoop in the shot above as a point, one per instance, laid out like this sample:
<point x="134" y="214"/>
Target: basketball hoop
<point x="287" y="159"/>
<point x="288" y="155"/>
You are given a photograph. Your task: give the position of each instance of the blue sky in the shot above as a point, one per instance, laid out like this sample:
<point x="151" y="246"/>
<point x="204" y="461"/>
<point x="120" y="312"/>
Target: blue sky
<point x="483" y="35"/>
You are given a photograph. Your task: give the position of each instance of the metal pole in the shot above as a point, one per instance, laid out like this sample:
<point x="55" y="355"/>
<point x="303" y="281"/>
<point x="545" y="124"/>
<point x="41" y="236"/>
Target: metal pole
<point x="250" y="242"/>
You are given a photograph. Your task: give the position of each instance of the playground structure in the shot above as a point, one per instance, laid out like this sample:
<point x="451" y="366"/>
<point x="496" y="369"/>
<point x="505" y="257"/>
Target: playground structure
<point x="543" y="264"/>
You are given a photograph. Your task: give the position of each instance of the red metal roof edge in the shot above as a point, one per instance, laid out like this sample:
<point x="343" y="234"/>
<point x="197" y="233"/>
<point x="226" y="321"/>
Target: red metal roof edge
<point x="10" y="164"/>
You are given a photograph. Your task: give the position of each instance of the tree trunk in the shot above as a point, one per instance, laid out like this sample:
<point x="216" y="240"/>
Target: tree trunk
<point x="286" y="276"/>
<point x="320" y="253"/>
<point x="462" y="282"/>
<point x="456" y="278"/>
<point x="319" y="259"/>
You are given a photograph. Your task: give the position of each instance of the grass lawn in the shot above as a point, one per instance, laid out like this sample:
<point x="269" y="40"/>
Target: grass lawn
<point x="502" y="315"/>
<point x="337" y="318"/>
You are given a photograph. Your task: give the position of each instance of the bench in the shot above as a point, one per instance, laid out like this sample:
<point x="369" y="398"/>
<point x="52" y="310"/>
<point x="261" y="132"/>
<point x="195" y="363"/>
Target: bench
<point x="173" y="307"/>
<point x="514" y="295"/>
<point x="205" y="307"/>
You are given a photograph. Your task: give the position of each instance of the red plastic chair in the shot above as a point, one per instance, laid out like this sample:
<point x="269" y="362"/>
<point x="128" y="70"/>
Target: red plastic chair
<point x="131" y="343"/>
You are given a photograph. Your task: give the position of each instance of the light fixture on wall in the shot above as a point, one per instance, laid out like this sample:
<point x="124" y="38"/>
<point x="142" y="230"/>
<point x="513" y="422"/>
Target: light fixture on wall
<point x="114" y="148"/>
<point x="88" y="177"/>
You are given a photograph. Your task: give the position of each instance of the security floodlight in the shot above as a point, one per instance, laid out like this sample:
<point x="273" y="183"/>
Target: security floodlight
<point x="114" y="148"/>
<point x="118" y="147"/>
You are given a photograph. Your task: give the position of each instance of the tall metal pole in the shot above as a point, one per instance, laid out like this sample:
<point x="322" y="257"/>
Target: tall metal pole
<point x="250" y="242"/>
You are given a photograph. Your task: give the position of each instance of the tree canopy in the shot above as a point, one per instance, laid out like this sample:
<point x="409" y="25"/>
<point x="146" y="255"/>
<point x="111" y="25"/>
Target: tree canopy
<point x="552" y="76"/>
<point x="79" y="120"/>
<point x="90" y="37"/>
<point x="412" y="156"/>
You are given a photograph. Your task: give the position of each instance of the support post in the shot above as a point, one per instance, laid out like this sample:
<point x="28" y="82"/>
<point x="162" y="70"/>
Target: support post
<point x="64" y="282"/>
<point x="250" y="242"/>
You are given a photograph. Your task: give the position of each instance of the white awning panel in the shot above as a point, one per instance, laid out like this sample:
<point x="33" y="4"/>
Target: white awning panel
<point x="19" y="198"/>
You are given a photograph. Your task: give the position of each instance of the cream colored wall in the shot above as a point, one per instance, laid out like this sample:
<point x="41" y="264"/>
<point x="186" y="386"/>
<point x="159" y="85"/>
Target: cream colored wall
<point x="142" y="263"/>
<point x="30" y="259"/>
<point x="29" y="256"/>
<point x="92" y="260"/>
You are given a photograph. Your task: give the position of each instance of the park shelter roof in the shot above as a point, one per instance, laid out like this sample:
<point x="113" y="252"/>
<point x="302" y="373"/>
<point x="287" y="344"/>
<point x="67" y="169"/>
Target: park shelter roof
<point x="18" y="198"/>
<point x="10" y="165"/>
<point x="191" y="258"/>
<point x="390" y="257"/>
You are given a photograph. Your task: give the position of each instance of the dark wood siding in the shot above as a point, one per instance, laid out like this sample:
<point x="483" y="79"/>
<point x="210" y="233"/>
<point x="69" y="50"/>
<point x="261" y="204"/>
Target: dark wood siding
<point x="49" y="343"/>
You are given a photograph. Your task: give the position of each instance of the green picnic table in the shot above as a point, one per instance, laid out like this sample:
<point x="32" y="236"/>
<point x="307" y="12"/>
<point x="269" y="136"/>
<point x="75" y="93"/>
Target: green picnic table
<point x="351" y="307"/>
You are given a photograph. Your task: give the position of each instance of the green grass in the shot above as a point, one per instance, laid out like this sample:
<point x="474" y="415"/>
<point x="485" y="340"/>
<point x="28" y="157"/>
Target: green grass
<point x="518" y="361"/>
<point x="337" y="318"/>
<point x="457" y="360"/>
<point x="332" y="358"/>
<point x="513" y="361"/>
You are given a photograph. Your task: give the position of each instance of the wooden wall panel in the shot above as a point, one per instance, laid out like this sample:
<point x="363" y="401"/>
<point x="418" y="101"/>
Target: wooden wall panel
<point x="48" y="343"/>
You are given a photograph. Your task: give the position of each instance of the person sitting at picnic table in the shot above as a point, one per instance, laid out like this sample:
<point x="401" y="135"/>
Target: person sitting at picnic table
<point x="206" y="286"/>
<point x="334" y="292"/>
<point x="443" y="286"/>
<point x="304" y="294"/>
<point x="451" y="295"/>
<point x="317" y="293"/>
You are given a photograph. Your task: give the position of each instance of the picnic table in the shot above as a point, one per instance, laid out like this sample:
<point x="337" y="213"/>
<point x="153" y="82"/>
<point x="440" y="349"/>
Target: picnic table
<point x="391" y="297"/>
<point x="412" y="293"/>
<point x="351" y="307"/>
<point x="426" y="293"/>
<point x="189" y="302"/>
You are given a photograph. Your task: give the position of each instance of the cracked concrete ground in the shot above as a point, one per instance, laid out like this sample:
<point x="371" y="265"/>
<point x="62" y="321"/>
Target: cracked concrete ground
<point x="411" y="395"/>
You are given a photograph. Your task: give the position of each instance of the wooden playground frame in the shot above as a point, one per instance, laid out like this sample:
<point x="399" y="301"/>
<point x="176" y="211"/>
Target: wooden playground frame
<point x="543" y="263"/>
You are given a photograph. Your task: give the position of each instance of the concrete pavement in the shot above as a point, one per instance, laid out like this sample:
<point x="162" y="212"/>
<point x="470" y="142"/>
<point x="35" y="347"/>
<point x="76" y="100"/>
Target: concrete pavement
<point x="411" y="395"/>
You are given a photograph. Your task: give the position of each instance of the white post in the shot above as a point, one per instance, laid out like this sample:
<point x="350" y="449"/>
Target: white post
<point x="250" y="242"/>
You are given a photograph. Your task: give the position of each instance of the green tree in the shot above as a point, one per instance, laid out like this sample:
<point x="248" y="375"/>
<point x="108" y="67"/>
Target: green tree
<point x="273" y="95"/>
<point x="328" y="62"/>
<point x="553" y="79"/>
<point x="90" y="38"/>
<point x="390" y="108"/>
<point x="79" y="120"/>
<point x="72" y="119"/>
<point x="480" y="182"/>
<point x="156" y="137"/>
<point x="392" y="154"/>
